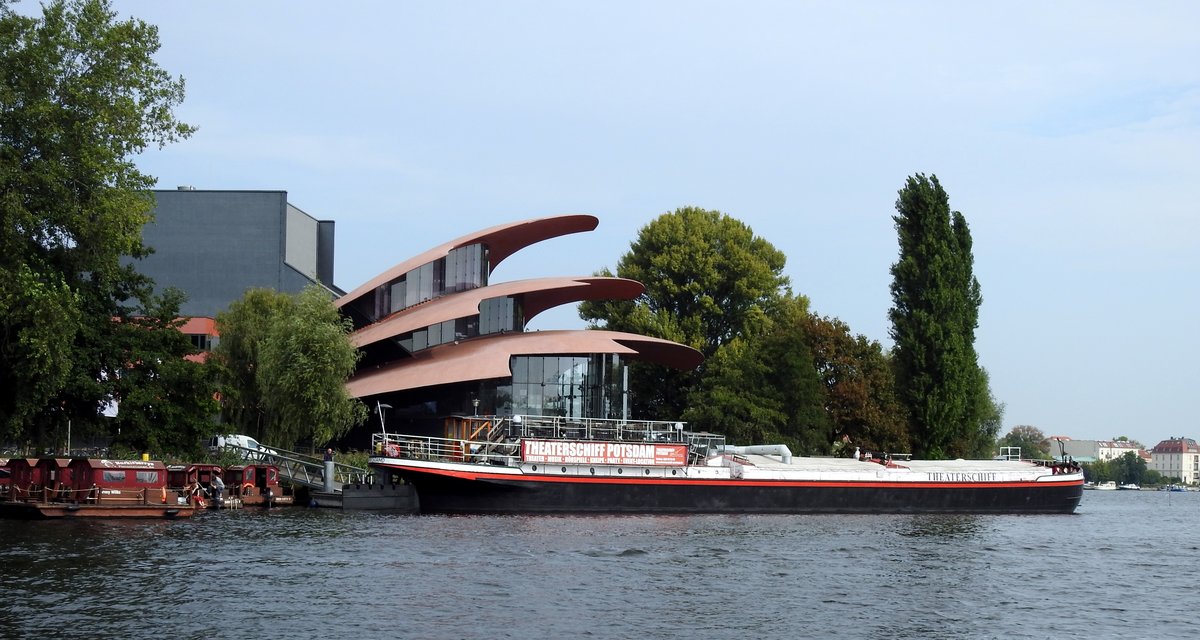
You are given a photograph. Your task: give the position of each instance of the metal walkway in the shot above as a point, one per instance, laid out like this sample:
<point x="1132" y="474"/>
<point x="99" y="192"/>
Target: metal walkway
<point x="301" y="469"/>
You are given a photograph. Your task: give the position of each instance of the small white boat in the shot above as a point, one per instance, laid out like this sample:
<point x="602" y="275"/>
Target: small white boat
<point x="1106" y="486"/>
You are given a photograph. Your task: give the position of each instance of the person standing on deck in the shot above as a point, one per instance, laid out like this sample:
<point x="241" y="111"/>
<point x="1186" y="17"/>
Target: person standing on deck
<point x="218" y="487"/>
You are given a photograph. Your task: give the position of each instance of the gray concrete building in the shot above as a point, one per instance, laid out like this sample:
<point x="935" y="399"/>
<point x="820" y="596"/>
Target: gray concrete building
<point x="216" y="244"/>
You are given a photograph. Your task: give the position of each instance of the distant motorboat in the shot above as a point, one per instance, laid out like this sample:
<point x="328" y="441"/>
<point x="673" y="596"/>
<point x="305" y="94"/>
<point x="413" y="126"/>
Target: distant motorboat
<point x="1130" y="486"/>
<point x="1106" y="486"/>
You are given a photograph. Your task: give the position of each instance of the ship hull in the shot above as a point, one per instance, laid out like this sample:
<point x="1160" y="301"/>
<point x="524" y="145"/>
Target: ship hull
<point x="444" y="490"/>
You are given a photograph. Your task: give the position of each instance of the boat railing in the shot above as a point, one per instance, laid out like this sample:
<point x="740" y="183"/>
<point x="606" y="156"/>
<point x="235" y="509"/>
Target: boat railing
<point x="410" y="447"/>
<point x="496" y="439"/>
<point x="572" y="428"/>
<point x="92" y="495"/>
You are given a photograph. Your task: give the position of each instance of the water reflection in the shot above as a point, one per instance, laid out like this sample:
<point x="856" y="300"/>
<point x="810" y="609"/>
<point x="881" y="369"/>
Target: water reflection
<point x="314" y="573"/>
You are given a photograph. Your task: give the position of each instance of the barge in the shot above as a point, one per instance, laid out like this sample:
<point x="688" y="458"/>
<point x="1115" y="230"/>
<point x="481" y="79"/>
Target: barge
<point x="533" y="464"/>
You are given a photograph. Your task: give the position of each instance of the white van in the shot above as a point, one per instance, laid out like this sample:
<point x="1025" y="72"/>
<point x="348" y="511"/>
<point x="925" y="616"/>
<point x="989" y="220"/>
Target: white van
<point x="217" y="443"/>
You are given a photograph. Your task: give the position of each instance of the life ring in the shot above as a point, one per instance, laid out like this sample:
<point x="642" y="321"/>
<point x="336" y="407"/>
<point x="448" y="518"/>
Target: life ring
<point x="247" y="488"/>
<point x="164" y="494"/>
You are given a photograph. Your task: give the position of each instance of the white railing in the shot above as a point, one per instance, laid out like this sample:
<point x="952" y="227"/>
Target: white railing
<point x="395" y="445"/>
<point x="497" y="441"/>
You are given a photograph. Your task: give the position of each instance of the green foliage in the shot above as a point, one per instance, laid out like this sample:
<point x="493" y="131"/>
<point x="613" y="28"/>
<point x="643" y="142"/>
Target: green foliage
<point x="935" y="311"/>
<point x="709" y="280"/>
<point x="859" y="388"/>
<point x="1130" y="468"/>
<point x="1033" y="443"/>
<point x="166" y="396"/>
<point x="283" y="363"/>
<point x="763" y="388"/>
<point x="81" y="95"/>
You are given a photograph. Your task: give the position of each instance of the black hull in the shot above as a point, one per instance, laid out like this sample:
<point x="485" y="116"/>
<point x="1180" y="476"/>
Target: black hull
<point x="448" y="494"/>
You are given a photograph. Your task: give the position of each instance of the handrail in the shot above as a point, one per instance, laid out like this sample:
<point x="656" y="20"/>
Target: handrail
<point x="483" y="452"/>
<point x="302" y="469"/>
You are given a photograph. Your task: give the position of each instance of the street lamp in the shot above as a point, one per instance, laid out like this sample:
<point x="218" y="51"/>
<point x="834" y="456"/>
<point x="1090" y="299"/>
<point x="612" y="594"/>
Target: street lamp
<point x="475" y="403"/>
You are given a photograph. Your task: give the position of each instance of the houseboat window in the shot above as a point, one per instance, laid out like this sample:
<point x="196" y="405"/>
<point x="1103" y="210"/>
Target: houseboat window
<point x="113" y="476"/>
<point x="147" y="477"/>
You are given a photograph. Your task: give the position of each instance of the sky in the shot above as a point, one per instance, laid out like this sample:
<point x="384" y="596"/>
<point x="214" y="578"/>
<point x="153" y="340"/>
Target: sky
<point x="1067" y="133"/>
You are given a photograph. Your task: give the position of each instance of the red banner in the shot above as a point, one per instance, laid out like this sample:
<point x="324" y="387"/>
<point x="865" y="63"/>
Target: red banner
<point x="615" y="453"/>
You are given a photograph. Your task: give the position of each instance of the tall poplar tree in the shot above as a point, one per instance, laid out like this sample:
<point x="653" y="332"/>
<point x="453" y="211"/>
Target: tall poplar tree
<point x="936" y="302"/>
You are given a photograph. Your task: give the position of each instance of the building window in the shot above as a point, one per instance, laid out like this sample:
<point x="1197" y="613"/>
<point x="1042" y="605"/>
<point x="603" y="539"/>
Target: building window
<point x="570" y="386"/>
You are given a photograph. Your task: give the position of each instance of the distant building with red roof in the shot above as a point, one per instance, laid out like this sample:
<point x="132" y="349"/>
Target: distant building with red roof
<point x="1177" y="458"/>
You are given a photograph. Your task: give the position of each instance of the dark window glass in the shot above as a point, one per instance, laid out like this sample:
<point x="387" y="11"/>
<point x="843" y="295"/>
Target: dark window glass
<point x="535" y="367"/>
<point x="438" y="269"/>
<point x="399" y="295"/>
<point x="147" y="477"/>
<point x="114" y="476"/>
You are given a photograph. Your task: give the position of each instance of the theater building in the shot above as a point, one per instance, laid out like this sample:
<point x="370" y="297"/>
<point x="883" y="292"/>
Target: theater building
<point x="214" y="245"/>
<point x="440" y="339"/>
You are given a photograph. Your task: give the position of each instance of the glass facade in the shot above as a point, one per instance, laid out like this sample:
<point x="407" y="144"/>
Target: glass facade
<point x="462" y="269"/>
<point x="573" y="386"/>
<point x="497" y="315"/>
<point x="588" y="386"/>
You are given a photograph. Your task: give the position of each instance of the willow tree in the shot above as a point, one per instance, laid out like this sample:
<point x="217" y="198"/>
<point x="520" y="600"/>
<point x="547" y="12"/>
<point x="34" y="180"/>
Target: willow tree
<point x="81" y="96"/>
<point x="283" y="363"/>
<point x="935" y="312"/>
<point x="708" y="280"/>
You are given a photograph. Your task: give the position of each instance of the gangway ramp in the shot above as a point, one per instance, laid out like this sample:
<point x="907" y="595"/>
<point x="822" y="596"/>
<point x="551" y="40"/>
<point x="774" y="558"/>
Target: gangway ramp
<point x="301" y="469"/>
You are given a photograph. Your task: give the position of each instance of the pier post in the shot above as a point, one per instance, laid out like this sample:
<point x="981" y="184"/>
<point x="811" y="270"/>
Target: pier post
<point x="327" y="486"/>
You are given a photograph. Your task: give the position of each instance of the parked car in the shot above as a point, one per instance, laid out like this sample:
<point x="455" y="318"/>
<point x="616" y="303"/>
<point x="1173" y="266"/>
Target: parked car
<point x="248" y="446"/>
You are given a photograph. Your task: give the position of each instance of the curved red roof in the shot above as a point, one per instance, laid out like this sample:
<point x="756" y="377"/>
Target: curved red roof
<point x="487" y="357"/>
<point x="502" y="241"/>
<point x="537" y="295"/>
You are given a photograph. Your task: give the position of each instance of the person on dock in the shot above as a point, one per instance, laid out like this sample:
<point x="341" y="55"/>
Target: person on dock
<point x="329" y="455"/>
<point x="218" y="487"/>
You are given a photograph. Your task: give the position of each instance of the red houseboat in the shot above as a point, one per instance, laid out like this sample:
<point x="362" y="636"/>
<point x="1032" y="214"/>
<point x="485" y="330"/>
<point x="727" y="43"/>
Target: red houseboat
<point x="191" y="482"/>
<point x="257" y="485"/>
<point x="91" y="488"/>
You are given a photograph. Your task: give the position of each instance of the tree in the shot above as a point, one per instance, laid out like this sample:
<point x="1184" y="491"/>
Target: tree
<point x="166" y="396"/>
<point x="762" y="388"/>
<point x="859" y="387"/>
<point x="935" y="311"/>
<point x="1130" y="468"/>
<point x="81" y="95"/>
<point x="283" y="361"/>
<point x="708" y="280"/>
<point x="1033" y="443"/>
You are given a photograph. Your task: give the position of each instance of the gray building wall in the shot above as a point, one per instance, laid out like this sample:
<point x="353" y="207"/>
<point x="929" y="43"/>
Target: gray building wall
<point x="216" y="244"/>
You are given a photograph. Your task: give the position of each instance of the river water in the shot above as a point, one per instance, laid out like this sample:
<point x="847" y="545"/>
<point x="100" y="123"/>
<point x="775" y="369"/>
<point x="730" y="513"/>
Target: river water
<point x="1123" y="566"/>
